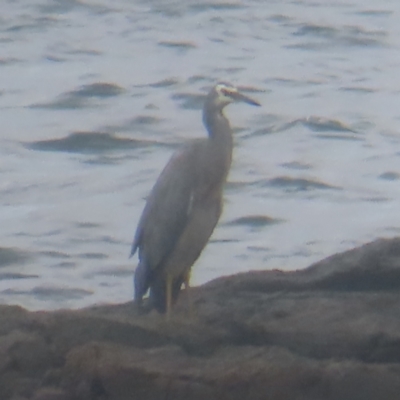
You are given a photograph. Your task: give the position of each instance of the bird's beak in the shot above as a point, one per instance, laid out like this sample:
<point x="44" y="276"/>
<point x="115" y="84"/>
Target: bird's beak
<point x="240" y="97"/>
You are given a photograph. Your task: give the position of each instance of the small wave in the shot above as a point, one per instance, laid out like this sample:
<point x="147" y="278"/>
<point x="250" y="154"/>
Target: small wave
<point x="390" y="176"/>
<point x="189" y="101"/>
<point x="115" y="272"/>
<point x="353" y="36"/>
<point x="86" y="143"/>
<point x="199" y="78"/>
<point x="177" y="45"/>
<point x="78" y="98"/>
<point x="340" y="137"/>
<point x="66" y="6"/>
<point x="279" y="18"/>
<point x="376" y="199"/>
<point x="55" y="254"/>
<point x="59" y="293"/>
<point x="164" y="83"/>
<point x="356" y="36"/>
<point x="48" y="293"/>
<point x="142" y="122"/>
<point x="358" y="89"/>
<point x="30" y="25"/>
<point x="9" y="256"/>
<point x="251" y="89"/>
<point x="375" y="13"/>
<point x="316" y="30"/>
<point x="5" y="276"/>
<point x="65" y="264"/>
<point x="9" y="60"/>
<point x="255" y="221"/>
<point x="93" y="256"/>
<point x="98" y="90"/>
<point x="219" y="6"/>
<point x="290" y="82"/>
<point x="321" y="124"/>
<point x="267" y="130"/>
<point x="298" y="184"/>
<point x="297" y="165"/>
<point x="87" y="225"/>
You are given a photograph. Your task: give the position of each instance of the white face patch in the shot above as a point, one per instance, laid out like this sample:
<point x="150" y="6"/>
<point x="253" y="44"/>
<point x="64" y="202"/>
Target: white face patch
<point x="223" y="91"/>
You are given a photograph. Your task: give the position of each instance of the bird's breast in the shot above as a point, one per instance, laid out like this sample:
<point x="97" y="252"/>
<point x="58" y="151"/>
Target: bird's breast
<point x="213" y="169"/>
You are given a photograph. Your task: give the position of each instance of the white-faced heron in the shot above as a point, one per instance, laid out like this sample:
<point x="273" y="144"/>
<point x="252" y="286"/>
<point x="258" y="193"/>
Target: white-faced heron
<point x="184" y="205"/>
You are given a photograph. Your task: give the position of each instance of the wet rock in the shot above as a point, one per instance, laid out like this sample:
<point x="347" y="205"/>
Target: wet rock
<point x="331" y="331"/>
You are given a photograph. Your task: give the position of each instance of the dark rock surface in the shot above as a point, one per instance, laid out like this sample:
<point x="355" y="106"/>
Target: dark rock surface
<point x="329" y="332"/>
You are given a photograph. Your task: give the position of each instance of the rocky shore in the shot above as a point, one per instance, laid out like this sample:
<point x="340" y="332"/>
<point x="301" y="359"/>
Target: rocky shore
<point x="329" y="332"/>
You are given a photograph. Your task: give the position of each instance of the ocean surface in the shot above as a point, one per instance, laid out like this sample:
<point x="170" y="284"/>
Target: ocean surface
<point x="95" y="96"/>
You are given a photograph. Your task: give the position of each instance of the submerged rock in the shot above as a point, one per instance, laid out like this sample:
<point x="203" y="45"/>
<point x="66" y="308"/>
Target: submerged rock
<point x="331" y="331"/>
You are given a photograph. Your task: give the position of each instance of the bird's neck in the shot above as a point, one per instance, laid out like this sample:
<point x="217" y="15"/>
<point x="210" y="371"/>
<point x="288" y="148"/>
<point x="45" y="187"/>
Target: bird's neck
<point x="220" y="141"/>
<point x="218" y="128"/>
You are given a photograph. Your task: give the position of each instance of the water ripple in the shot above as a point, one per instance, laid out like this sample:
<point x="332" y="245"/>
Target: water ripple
<point x="190" y="101"/>
<point x="218" y="6"/>
<point x="66" y="6"/>
<point x="86" y="143"/>
<point x="58" y="293"/>
<point x="142" y="122"/>
<point x="4" y="276"/>
<point x="164" y="83"/>
<point x="353" y="36"/>
<point x="320" y="124"/>
<point x="390" y="176"/>
<point x="298" y="184"/>
<point x="296" y="165"/>
<point x="255" y="221"/>
<point x="182" y="46"/>
<point x="9" y="256"/>
<point x="80" y="97"/>
<point x="93" y="256"/>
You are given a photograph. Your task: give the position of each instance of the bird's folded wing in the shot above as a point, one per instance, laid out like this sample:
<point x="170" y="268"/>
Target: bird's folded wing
<point x="167" y="210"/>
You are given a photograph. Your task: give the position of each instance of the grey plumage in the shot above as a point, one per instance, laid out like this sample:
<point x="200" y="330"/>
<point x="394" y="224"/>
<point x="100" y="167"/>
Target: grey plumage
<point x="184" y="205"/>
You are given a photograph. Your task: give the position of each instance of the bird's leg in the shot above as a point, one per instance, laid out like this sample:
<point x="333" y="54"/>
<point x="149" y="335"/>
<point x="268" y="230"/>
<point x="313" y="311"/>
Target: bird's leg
<point x="168" y="295"/>
<point x="186" y="280"/>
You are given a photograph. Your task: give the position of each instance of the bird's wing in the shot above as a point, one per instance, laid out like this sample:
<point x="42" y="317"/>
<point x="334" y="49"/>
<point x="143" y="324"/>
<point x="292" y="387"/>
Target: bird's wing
<point x="167" y="209"/>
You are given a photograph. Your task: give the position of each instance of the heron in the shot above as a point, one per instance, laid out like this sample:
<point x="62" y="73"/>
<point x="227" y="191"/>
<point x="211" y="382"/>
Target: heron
<point x="184" y="206"/>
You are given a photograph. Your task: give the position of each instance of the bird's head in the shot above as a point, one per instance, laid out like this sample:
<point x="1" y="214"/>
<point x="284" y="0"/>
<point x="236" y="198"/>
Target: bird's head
<point x="223" y="94"/>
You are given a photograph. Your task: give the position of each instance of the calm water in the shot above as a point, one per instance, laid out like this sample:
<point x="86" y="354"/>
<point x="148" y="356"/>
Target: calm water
<point x="96" y="95"/>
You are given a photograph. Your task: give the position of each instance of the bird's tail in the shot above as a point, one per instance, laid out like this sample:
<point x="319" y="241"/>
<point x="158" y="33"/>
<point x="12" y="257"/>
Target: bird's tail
<point x="141" y="282"/>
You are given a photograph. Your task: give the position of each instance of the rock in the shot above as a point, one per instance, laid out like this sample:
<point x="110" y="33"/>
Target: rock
<point x="331" y="331"/>
<point x="50" y="394"/>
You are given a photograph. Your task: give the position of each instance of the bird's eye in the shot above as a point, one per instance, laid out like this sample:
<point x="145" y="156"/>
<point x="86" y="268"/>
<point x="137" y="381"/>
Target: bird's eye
<point x="225" y="92"/>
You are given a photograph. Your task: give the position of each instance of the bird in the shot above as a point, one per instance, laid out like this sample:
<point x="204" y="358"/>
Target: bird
<point x="184" y="206"/>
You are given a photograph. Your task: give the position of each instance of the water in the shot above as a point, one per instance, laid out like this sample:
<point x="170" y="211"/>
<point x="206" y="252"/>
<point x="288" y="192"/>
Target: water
<point x="96" y="95"/>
